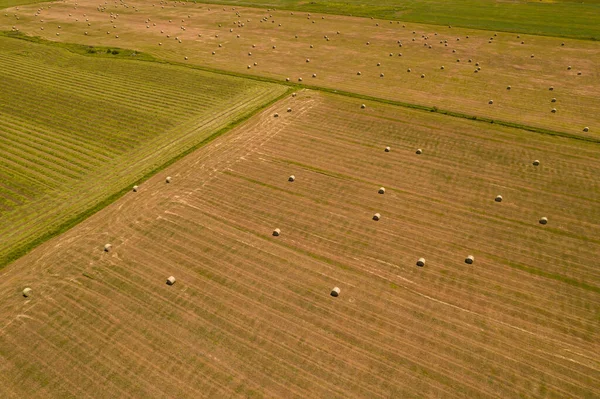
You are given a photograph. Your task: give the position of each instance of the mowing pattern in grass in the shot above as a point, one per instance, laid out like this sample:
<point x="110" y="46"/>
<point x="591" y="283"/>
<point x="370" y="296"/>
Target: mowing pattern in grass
<point x="250" y="314"/>
<point x="550" y="18"/>
<point x="74" y="130"/>
<point x="212" y="37"/>
<point x="15" y="3"/>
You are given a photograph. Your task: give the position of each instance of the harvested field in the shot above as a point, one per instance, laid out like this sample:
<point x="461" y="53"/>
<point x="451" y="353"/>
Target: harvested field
<point x="549" y="18"/>
<point x="251" y="315"/>
<point x="76" y="130"/>
<point x="281" y="52"/>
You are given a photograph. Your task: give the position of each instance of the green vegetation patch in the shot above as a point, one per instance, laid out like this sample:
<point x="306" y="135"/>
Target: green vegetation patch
<point x="549" y="18"/>
<point x="78" y="129"/>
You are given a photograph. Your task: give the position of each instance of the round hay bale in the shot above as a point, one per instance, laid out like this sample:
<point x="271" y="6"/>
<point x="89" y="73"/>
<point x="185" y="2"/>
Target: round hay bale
<point x="379" y="64"/>
<point x="335" y="292"/>
<point x="287" y="79"/>
<point x="293" y="94"/>
<point x="185" y="58"/>
<point x="381" y="190"/>
<point x="578" y="73"/>
<point x="27" y="292"/>
<point x="553" y="100"/>
<point x="381" y="75"/>
<point x="314" y="75"/>
<point x="419" y="151"/>
<point x="442" y="67"/>
<point x="569" y="68"/>
<point x="376" y="216"/>
<point x="276" y="232"/>
<point x="107" y="247"/>
<point x="213" y="53"/>
<point x="491" y="102"/>
<point x="363" y="106"/>
<point x="292" y="178"/>
<point x="553" y="110"/>
<point x="507" y="87"/>
<point x="532" y="56"/>
<point x="276" y="115"/>
<point x="289" y="110"/>
<point x="171" y="280"/>
<point x="168" y="179"/>
<point x="387" y="149"/>
<point x="408" y="70"/>
<point x="586" y="129"/>
<point x="135" y="189"/>
<point x="551" y="88"/>
<point x="249" y="66"/>
<point x="421" y="262"/>
<point x="536" y="163"/>
<point x="470" y="259"/>
<point x="422" y="75"/>
<point x="498" y="198"/>
<point x="358" y="73"/>
<point x="543" y="220"/>
<point x="299" y="79"/>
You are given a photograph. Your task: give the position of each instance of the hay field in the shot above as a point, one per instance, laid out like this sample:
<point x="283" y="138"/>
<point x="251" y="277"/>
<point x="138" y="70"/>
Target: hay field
<point x="76" y="130"/>
<point x="569" y="18"/>
<point x="250" y="314"/>
<point x="503" y="62"/>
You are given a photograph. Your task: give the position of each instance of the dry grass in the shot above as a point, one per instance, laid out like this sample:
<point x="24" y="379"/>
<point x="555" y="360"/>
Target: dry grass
<point x="456" y="87"/>
<point x="251" y="315"/>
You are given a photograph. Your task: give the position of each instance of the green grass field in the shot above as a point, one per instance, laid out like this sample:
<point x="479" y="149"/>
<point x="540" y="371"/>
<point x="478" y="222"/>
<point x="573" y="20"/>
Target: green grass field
<point x="77" y="130"/>
<point x="14" y="3"/>
<point x="551" y="18"/>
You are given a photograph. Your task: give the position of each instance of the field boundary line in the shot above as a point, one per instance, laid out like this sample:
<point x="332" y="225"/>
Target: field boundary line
<point x="22" y="250"/>
<point x="379" y="17"/>
<point x="82" y="50"/>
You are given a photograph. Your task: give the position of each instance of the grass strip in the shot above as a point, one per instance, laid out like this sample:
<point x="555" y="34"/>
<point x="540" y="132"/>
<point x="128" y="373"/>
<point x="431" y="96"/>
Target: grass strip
<point x="68" y="224"/>
<point x="126" y="54"/>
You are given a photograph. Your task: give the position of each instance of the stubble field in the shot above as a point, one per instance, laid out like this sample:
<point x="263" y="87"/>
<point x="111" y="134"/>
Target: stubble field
<point x="503" y="61"/>
<point x="75" y="130"/>
<point x="251" y="315"/>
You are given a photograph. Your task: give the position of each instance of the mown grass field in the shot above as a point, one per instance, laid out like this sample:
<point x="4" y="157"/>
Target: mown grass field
<point x="570" y="18"/>
<point x="250" y="314"/>
<point x="502" y="59"/>
<point x="76" y="130"/>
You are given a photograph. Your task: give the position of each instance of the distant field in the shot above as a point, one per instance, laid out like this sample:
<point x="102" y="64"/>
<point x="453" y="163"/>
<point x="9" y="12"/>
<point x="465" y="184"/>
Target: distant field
<point x="14" y="3"/>
<point x="578" y="19"/>
<point x="76" y="130"/>
<point x="250" y="314"/>
<point x="336" y="63"/>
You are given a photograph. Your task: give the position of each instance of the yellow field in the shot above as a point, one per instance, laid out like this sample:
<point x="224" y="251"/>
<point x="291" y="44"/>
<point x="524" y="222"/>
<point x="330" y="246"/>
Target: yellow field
<point x="250" y="314"/>
<point x="157" y="30"/>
